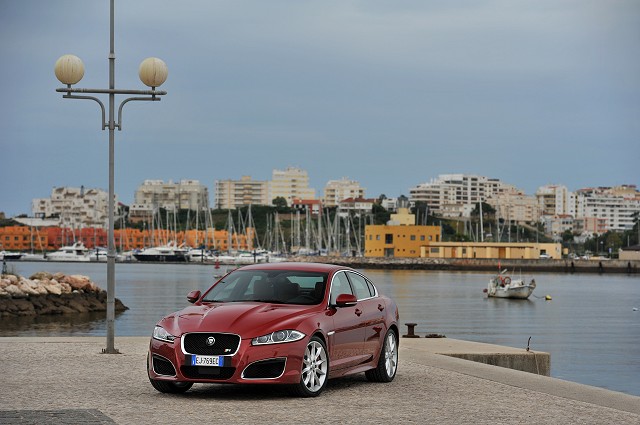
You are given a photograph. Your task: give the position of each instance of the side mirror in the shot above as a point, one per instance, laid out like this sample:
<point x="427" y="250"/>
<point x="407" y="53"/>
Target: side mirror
<point x="193" y="296"/>
<point x="346" y="300"/>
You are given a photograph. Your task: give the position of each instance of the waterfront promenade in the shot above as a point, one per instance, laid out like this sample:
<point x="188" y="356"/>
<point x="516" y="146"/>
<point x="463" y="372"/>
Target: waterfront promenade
<point x="66" y="380"/>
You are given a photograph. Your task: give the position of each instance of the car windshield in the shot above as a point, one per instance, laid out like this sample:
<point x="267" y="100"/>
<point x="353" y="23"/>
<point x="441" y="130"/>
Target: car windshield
<point x="269" y="286"/>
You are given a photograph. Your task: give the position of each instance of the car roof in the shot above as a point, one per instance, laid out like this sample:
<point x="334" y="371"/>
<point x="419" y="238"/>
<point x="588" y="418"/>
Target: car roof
<point x="297" y="266"/>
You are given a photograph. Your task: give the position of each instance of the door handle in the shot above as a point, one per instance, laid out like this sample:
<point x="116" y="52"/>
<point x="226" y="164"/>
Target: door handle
<point x="380" y="307"/>
<point x="358" y="312"/>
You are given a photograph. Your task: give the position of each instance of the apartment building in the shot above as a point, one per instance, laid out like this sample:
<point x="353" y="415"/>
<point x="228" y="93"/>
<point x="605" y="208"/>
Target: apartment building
<point x="555" y="200"/>
<point x="186" y="194"/>
<point x="617" y="206"/>
<point x="456" y="195"/>
<point x="74" y="207"/>
<point x="514" y="206"/>
<point x="593" y="210"/>
<point x="337" y="190"/>
<point x="232" y="194"/>
<point x="291" y="183"/>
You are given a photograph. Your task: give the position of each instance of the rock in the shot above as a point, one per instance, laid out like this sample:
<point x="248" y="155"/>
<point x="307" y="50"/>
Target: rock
<point x="53" y="287"/>
<point x="41" y="276"/>
<point x="14" y="291"/>
<point x="46" y="293"/>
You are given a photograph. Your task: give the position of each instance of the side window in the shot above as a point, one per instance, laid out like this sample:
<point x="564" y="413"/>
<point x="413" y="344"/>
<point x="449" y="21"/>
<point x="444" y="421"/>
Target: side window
<point x="360" y="286"/>
<point x="339" y="285"/>
<point x="372" y="289"/>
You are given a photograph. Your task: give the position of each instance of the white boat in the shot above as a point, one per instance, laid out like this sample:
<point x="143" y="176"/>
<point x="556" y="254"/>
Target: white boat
<point x="10" y="256"/>
<point x="164" y="253"/>
<point x="98" y="254"/>
<point x="504" y="286"/>
<point x="198" y="255"/>
<point x="75" y="252"/>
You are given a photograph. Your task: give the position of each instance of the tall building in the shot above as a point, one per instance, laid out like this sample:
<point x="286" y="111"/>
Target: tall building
<point x="617" y="206"/>
<point x="289" y="184"/>
<point x="74" y="207"/>
<point x="456" y="195"/>
<point x="231" y="194"/>
<point x="338" y="190"/>
<point x="186" y="194"/>
<point x="515" y="207"/>
<point x="555" y="200"/>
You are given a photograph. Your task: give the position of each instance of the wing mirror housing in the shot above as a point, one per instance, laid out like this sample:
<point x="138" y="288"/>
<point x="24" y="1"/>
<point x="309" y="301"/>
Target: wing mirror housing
<point x="193" y="296"/>
<point x="346" y="300"/>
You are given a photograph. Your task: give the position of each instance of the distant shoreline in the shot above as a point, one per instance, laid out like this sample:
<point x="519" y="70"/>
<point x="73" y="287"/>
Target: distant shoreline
<point x="565" y="266"/>
<point x="603" y="266"/>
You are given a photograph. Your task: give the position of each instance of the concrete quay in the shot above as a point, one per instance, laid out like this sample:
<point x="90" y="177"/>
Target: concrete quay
<point x="67" y="380"/>
<point x="630" y="267"/>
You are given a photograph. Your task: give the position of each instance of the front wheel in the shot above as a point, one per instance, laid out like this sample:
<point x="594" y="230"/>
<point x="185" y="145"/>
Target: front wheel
<point x="315" y="370"/>
<point x="388" y="361"/>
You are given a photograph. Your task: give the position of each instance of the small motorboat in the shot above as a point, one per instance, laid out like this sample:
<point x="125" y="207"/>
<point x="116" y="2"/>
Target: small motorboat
<point x="504" y="286"/>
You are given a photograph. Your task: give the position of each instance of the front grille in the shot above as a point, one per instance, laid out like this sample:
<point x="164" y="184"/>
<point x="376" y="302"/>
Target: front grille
<point x="207" y="372"/>
<point x="225" y="344"/>
<point x="162" y="366"/>
<point x="265" y="369"/>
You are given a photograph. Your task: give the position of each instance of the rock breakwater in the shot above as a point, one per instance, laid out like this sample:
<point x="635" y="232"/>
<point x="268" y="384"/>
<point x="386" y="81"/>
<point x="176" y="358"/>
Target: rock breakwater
<point x="49" y="294"/>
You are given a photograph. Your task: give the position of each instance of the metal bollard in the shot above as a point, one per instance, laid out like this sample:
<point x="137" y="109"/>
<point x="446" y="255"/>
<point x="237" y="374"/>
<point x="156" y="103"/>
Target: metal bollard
<point x="410" y="333"/>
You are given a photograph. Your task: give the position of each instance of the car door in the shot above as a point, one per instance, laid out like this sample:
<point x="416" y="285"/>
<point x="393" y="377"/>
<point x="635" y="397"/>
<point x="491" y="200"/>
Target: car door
<point x="373" y="312"/>
<point x="346" y="339"/>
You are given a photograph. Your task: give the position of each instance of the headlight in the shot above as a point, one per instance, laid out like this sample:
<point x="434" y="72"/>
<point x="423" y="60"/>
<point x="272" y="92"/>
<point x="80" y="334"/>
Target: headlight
<point x="278" y="337"/>
<point x="161" y="334"/>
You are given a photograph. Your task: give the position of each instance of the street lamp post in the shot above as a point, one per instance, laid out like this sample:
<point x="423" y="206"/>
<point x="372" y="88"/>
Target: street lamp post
<point x="69" y="69"/>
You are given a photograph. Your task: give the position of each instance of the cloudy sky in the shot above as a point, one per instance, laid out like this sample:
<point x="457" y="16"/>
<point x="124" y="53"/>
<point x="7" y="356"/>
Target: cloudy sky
<point x="388" y="93"/>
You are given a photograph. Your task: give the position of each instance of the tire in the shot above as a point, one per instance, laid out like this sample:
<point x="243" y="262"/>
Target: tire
<point x="388" y="361"/>
<point x="315" y="370"/>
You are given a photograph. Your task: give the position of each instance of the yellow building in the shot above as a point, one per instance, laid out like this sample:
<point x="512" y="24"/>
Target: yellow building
<point x="399" y="238"/>
<point x="509" y="250"/>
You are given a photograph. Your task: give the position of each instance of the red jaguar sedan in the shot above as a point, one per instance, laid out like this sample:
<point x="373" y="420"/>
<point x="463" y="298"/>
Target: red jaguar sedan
<point x="278" y="323"/>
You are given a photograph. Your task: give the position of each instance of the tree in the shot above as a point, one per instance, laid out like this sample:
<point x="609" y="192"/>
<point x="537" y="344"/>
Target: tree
<point x="281" y="204"/>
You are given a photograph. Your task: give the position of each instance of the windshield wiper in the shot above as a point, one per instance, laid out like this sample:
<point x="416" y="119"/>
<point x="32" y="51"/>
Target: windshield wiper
<point x="269" y="301"/>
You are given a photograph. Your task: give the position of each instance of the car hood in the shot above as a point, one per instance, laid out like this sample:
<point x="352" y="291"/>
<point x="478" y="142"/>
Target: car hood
<point x="248" y="319"/>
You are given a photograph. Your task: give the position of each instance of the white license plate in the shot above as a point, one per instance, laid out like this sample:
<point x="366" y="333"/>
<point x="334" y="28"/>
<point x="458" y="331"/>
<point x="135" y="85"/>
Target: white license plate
<point x="206" y="360"/>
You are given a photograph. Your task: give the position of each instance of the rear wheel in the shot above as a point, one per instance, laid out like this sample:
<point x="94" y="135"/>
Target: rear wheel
<point x="315" y="370"/>
<point x="388" y="361"/>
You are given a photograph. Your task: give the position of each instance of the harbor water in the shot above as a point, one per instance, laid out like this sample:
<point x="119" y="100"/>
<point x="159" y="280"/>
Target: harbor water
<point x="591" y="325"/>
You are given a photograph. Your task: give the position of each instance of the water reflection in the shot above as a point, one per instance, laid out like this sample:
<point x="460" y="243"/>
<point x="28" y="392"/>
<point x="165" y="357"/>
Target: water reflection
<point x="55" y="325"/>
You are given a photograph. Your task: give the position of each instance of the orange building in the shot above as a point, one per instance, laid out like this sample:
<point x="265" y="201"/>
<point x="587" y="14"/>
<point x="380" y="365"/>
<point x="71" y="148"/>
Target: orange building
<point x="24" y="238"/>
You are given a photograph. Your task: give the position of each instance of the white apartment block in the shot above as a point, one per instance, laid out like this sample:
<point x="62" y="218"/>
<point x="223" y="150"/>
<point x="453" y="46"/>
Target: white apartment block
<point x="594" y="210"/>
<point x="75" y="207"/>
<point x="186" y="194"/>
<point x="232" y="194"/>
<point x="616" y="206"/>
<point x="289" y="184"/>
<point x="555" y="200"/>
<point x="337" y="190"/>
<point x="456" y="195"/>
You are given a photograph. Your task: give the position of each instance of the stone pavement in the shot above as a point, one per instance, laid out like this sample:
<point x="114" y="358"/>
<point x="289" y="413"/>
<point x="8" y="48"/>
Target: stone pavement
<point x="67" y="380"/>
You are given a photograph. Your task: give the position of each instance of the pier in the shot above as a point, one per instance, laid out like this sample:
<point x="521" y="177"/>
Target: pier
<point x="62" y="380"/>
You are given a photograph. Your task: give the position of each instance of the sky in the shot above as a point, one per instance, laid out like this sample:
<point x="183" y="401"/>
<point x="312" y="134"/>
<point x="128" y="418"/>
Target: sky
<point x="388" y="93"/>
